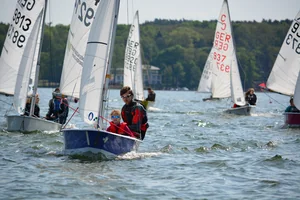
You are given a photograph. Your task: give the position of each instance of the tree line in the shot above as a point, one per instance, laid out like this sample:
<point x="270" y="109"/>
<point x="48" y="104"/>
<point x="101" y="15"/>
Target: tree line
<point x="179" y="48"/>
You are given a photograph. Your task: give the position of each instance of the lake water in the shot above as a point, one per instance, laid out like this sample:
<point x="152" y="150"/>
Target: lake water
<point x="192" y="150"/>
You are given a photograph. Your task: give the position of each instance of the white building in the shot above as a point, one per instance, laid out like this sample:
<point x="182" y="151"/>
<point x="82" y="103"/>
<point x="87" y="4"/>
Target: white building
<point x="151" y="76"/>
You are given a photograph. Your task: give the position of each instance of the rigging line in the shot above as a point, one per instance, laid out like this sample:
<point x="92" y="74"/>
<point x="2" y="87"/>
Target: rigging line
<point x="265" y="92"/>
<point x="127" y="13"/>
<point x="114" y="125"/>
<point x="6" y="102"/>
<point x="70" y="119"/>
<point x="52" y="71"/>
<point x="132" y="9"/>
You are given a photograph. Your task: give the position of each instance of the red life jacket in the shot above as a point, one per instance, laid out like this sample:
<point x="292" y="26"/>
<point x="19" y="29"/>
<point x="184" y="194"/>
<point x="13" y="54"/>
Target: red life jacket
<point x="120" y="129"/>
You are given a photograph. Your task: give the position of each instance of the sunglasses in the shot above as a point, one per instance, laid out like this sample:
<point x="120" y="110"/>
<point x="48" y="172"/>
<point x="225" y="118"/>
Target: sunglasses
<point x="115" y="116"/>
<point x="127" y="96"/>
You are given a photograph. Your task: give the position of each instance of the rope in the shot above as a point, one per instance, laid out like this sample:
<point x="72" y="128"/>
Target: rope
<point x="114" y="125"/>
<point x="264" y="91"/>
<point x="70" y="118"/>
<point x="11" y="107"/>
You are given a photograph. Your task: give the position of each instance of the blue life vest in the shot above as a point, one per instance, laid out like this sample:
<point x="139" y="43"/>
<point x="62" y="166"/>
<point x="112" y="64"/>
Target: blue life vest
<point x="56" y="103"/>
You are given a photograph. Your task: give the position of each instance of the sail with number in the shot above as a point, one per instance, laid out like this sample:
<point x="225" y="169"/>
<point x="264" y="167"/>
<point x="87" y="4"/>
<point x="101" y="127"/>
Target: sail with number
<point x="25" y="17"/>
<point x="284" y="74"/>
<point x="133" y="71"/>
<point x="83" y="17"/>
<point x="223" y="53"/>
<point x="27" y="66"/>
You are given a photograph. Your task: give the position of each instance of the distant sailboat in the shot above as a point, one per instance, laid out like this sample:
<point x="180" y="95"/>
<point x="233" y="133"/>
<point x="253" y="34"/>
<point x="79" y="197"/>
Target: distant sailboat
<point x="133" y="74"/>
<point x="133" y="69"/>
<point x="225" y="80"/>
<point x="20" y="63"/>
<point x="284" y="77"/>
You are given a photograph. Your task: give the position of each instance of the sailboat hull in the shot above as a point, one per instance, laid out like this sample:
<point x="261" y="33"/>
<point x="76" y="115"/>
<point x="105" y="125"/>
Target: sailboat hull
<point x="210" y="99"/>
<point x="147" y="104"/>
<point x="292" y="120"/>
<point x="98" y="141"/>
<point x="30" y="124"/>
<point x="243" y="110"/>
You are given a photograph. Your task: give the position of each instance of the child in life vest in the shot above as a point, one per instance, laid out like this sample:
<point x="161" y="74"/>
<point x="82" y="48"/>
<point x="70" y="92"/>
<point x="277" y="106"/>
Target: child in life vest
<point x="117" y="127"/>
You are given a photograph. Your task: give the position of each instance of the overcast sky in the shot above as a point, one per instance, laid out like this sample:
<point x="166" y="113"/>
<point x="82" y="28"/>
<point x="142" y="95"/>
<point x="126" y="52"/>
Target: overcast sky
<point x="61" y="10"/>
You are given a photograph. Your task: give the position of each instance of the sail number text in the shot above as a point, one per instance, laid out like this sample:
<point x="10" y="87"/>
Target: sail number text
<point x="220" y="59"/>
<point x="85" y="14"/>
<point x="131" y="52"/>
<point x="293" y="38"/>
<point x="19" y="25"/>
<point x="131" y="56"/>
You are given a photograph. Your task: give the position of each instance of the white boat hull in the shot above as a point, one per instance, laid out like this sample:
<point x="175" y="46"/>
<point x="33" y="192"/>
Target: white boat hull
<point x="243" y="110"/>
<point x="30" y="124"/>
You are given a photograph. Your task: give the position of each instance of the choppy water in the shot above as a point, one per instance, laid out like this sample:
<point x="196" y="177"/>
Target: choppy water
<point x="191" y="151"/>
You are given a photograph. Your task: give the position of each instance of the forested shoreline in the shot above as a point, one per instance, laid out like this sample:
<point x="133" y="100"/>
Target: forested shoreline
<point x="179" y="48"/>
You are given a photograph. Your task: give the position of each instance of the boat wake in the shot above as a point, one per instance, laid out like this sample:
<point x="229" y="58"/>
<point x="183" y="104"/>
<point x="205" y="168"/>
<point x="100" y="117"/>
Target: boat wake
<point x="136" y="155"/>
<point x="153" y="109"/>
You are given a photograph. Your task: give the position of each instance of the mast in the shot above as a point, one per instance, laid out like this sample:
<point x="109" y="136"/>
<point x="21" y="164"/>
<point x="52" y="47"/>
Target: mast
<point x="107" y="77"/>
<point x="38" y="62"/>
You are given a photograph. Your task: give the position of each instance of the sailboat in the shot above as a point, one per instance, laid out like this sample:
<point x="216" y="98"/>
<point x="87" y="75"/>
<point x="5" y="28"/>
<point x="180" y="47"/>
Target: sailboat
<point x="93" y="90"/>
<point x="133" y="70"/>
<point x="284" y="77"/>
<point x="20" y="63"/>
<point x="205" y="82"/>
<point x="226" y="81"/>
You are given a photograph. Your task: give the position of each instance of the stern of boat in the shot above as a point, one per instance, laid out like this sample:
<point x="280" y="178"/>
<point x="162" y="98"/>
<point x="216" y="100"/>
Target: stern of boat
<point x="24" y="123"/>
<point x="292" y="119"/>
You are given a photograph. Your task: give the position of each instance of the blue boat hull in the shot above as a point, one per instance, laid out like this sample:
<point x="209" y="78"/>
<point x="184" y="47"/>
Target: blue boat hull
<point x="98" y="141"/>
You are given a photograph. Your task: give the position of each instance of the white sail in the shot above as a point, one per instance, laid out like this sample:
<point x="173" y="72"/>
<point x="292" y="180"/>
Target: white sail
<point x="36" y="57"/>
<point x="97" y="60"/>
<point x="237" y="92"/>
<point x="83" y="16"/>
<point x="206" y="77"/>
<point x="20" y="28"/>
<point x="286" y="68"/>
<point x="223" y="53"/>
<point x="133" y="71"/>
<point x="28" y="64"/>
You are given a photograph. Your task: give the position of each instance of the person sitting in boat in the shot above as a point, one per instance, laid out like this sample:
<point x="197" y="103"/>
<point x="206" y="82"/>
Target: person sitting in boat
<point x="250" y="97"/>
<point x="58" y="108"/>
<point x="133" y="113"/>
<point x="291" y="107"/>
<point x="151" y="95"/>
<point x="36" y="106"/>
<point x="117" y="127"/>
